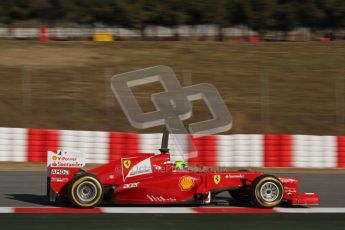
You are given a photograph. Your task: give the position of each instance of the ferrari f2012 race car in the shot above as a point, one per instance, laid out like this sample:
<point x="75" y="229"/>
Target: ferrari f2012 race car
<point x="153" y="179"/>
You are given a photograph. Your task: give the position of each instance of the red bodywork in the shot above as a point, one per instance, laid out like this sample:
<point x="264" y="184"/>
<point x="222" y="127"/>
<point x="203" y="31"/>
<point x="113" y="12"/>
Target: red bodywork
<point x="152" y="179"/>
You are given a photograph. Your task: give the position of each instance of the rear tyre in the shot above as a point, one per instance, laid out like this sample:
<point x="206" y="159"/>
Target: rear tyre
<point x="85" y="191"/>
<point x="266" y="191"/>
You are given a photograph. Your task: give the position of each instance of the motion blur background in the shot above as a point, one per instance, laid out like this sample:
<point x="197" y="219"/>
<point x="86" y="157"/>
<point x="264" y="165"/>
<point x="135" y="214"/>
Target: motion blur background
<point x="278" y="64"/>
<point x="270" y="87"/>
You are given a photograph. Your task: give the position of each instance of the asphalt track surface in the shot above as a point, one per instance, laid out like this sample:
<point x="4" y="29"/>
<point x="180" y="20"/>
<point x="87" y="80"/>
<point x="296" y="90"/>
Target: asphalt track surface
<point x="24" y="189"/>
<point x="27" y="189"/>
<point x="172" y="221"/>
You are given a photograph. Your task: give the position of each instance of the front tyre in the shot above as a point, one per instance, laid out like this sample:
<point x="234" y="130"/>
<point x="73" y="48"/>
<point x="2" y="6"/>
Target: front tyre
<point x="266" y="191"/>
<point x="85" y="191"/>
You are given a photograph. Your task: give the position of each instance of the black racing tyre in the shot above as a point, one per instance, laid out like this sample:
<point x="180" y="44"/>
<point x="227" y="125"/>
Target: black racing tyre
<point x="266" y="191"/>
<point x="85" y="191"/>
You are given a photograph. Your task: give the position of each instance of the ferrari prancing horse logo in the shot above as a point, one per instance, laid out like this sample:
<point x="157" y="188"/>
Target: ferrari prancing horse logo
<point x="127" y="163"/>
<point x="216" y="179"/>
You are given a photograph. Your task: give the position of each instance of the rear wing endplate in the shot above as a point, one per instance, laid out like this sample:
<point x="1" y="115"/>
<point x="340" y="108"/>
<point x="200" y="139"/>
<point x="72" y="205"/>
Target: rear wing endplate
<point x="65" y="159"/>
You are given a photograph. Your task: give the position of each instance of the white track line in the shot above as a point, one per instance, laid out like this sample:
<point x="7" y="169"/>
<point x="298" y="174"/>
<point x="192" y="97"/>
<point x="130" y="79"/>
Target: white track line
<point x="6" y="210"/>
<point x="183" y="210"/>
<point x="310" y="210"/>
<point x="148" y="210"/>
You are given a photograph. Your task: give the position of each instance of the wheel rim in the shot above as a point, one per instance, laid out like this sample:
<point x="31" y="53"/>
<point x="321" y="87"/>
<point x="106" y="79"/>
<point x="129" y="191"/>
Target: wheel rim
<point x="86" y="191"/>
<point x="269" y="192"/>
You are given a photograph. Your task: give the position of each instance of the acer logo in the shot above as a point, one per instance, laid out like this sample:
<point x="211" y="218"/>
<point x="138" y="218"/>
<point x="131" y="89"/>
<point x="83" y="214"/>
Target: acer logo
<point x="131" y="185"/>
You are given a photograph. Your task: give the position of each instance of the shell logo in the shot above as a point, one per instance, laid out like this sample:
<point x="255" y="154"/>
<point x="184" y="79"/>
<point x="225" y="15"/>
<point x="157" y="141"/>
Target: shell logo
<point x="186" y="183"/>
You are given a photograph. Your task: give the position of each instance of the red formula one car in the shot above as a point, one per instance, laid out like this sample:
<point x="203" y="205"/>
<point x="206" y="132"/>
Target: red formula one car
<point x="153" y="179"/>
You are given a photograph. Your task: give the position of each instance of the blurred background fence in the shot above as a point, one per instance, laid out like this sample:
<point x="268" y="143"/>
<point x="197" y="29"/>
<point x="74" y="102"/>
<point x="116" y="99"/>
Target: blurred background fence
<point x="289" y="88"/>
<point x="177" y="19"/>
<point x="183" y="32"/>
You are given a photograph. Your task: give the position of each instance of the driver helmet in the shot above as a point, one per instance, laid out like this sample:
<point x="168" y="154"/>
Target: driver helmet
<point x="180" y="165"/>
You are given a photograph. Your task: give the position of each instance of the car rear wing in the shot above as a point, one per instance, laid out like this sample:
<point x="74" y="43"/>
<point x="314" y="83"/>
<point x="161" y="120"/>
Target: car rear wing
<point x="65" y="159"/>
<point x="61" y="168"/>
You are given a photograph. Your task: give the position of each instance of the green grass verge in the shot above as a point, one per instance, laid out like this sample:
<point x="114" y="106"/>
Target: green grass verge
<point x="69" y="85"/>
